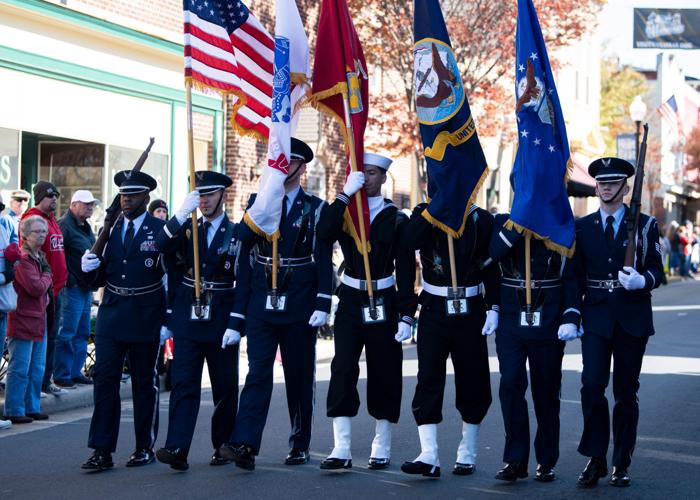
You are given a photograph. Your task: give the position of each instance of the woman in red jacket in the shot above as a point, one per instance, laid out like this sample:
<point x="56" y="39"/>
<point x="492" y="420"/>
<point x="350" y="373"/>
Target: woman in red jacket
<point x="26" y="329"/>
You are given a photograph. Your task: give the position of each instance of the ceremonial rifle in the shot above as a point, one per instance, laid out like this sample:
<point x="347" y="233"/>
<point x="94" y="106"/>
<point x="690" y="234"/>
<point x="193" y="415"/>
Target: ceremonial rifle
<point x="632" y="219"/>
<point x="114" y="212"/>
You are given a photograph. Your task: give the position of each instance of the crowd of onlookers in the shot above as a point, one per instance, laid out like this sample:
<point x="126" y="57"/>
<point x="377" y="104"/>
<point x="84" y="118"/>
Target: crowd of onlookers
<point x="45" y="300"/>
<point x="680" y="250"/>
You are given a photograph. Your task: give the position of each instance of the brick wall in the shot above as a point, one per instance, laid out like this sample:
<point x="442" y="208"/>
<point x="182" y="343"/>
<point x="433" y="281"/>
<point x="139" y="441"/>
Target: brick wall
<point x="161" y="14"/>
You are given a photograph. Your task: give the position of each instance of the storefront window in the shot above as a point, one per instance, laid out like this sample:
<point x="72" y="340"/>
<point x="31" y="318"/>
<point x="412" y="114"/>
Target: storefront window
<point x="157" y="166"/>
<point x="9" y="159"/>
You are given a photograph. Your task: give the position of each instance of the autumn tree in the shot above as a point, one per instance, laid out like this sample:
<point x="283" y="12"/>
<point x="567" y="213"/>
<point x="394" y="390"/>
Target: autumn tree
<point x="692" y="149"/>
<point x="482" y="33"/>
<point x="619" y="85"/>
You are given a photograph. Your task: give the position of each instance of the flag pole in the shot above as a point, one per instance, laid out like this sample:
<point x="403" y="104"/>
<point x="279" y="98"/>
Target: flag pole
<point x="275" y="254"/>
<point x="360" y="213"/>
<point x="195" y="229"/>
<point x="453" y="270"/>
<point x="528" y="280"/>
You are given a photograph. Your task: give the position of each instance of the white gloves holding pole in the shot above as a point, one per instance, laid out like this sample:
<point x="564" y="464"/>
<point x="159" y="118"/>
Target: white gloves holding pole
<point x="188" y="206"/>
<point x="630" y="279"/>
<point x="89" y="262"/>
<point x="354" y="183"/>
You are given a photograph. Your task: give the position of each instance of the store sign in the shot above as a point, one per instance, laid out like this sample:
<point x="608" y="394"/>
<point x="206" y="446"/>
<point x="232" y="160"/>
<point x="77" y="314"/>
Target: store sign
<point x="626" y="145"/>
<point x="9" y="158"/>
<point x="667" y="28"/>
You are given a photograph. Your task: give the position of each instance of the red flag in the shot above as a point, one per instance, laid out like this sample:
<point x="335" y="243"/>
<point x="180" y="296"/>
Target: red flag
<point x="340" y="70"/>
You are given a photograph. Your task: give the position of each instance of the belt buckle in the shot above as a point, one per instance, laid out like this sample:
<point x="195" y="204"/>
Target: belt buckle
<point x="610" y="285"/>
<point x="121" y="291"/>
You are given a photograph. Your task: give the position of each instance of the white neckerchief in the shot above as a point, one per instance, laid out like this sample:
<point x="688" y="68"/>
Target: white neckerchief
<point x="376" y="204"/>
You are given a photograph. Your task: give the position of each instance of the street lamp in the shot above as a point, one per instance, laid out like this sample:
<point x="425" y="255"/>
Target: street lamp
<point x="638" y="111"/>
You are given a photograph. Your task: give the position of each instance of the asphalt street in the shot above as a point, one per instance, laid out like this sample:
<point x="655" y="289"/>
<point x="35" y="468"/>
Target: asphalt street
<point x="42" y="460"/>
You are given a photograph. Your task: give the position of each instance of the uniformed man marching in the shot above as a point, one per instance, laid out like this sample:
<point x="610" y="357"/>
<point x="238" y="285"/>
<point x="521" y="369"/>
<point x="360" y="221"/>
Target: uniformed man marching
<point x="452" y="325"/>
<point x="203" y="337"/>
<point x="288" y="318"/>
<point x="128" y="323"/>
<point x="617" y="320"/>
<point x="538" y="341"/>
<point x="355" y="329"/>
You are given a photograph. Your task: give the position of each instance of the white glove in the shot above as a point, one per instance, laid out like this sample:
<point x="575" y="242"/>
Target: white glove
<point x="491" y="323"/>
<point x="404" y="332"/>
<point x="165" y="334"/>
<point x="89" y="262"/>
<point x="188" y="206"/>
<point x="631" y="281"/>
<point x="231" y="337"/>
<point x="318" y="318"/>
<point x="354" y="183"/>
<point x="567" y="331"/>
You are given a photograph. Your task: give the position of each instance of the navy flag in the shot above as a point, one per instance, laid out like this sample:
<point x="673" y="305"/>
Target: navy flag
<point x="455" y="161"/>
<point x="540" y="205"/>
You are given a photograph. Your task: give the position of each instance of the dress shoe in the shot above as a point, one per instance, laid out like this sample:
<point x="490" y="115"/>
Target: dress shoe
<point x="544" y="474"/>
<point x="20" y="419"/>
<point x="82" y="380"/>
<point x="99" y="460"/>
<point x="463" y="469"/>
<point x="336" y="463"/>
<point x="174" y="457"/>
<point x="512" y="471"/>
<point x="422" y="468"/>
<point x="297" y="457"/>
<point x="378" y="463"/>
<point x="594" y="470"/>
<point x="38" y="416"/>
<point x="243" y="456"/>
<point x="620" y="477"/>
<point x="141" y="457"/>
<point x="64" y="384"/>
<point x="217" y="459"/>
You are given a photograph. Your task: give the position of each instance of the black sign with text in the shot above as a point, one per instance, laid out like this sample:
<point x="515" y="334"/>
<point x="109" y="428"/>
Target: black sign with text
<point x="667" y="29"/>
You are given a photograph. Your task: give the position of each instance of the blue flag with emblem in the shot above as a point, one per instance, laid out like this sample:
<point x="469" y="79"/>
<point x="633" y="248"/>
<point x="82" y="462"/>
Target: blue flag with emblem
<point x="455" y="161"/>
<point x="540" y="205"/>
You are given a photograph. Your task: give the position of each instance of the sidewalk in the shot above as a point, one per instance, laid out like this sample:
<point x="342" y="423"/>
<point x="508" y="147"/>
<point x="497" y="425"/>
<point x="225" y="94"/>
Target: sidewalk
<point x="81" y="397"/>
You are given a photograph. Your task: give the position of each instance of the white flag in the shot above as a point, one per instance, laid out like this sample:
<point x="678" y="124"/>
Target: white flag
<point x="291" y="72"/>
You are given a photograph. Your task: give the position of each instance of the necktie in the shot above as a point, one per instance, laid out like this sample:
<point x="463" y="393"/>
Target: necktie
<point x="129" y="236"/>
<point x="206" y="225"/>
<point x="284" y="210"/>
<point x="610" y="232"/>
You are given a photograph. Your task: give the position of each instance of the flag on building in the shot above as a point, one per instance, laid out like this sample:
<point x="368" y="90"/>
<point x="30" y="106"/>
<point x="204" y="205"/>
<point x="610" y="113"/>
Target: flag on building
<point x="229" y="51"/>
<point x="455" y="161"/>
<point x="340" y="70"/>
<point x="291" y="72"/>
<point x="540" y="204"/>
<point x="669" y="112"/>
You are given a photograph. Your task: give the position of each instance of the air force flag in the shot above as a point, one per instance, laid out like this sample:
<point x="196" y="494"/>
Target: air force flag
<point x="540" y="205"/>
<point x="455" y="161"/>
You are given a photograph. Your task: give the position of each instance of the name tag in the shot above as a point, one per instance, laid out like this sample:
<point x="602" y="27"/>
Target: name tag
<point x="204" y="313"/>
<point x="278" y="303"/>
<point x="379" y="313"/>
<point x="531" y="320"/>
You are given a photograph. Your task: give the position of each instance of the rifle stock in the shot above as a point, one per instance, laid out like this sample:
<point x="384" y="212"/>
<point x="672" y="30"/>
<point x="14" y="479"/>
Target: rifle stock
<point x="113" y="212"/>
<point x="632" y="219"/>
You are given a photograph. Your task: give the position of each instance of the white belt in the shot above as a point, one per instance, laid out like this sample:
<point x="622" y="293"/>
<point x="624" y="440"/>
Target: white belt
<point x="380" y="284"/>
<point x="442" y="291"/>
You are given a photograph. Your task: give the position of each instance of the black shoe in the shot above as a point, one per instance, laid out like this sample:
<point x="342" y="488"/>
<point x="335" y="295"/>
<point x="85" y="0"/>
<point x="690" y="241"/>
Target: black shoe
<point x="82" y="380"/>
<point x="512" y="471"/>
<point x="378" y="463"/>
<point x="64" y="384"/>
<point x="242" y="455"/>
<point x="620" y="477"/>
<point x="141" y="457"/>
<point x="336" y="463"/>
<point x="176" y="458"/>
<point x="595" y="469"/>
<point x="544" y="474"/>
<point x="217" y="459"/>
<point x="20" y="419"/>
<point x="297" y="457"/>
<point x="38" y="416"/>
<point x="99" y="460"/>
<point x="463" y="469"/>
<point x="422" y="468"/>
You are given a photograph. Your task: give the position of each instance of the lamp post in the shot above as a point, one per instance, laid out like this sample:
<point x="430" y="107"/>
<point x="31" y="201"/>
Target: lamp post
<point x="638" y="111"/>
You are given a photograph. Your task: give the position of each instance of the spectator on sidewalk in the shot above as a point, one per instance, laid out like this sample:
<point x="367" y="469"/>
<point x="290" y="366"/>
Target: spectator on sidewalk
<point x="159" y="209"/>
<point x="76" y="299"/>
<point x="6" y="276"/>
<point x="683" y="251"/>
<point x="45" y="204"/>
<point x="27" y="325"/>
<point x="19" y="201"/>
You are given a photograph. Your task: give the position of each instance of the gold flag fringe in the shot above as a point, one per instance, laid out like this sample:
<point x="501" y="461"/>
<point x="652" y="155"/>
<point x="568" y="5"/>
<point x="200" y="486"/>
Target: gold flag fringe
<point x="560" y="249"/>
<point x="269" y="237"/>
<point x="446" y="229"/>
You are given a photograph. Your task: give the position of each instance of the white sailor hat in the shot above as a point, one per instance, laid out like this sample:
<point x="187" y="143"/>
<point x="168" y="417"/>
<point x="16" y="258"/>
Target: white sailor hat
<point x="378" y="160"/>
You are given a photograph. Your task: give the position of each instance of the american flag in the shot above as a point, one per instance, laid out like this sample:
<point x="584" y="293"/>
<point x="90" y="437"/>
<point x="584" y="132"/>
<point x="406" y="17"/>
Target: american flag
<point x="228" y="50"/>
<point x="669" y="111"/>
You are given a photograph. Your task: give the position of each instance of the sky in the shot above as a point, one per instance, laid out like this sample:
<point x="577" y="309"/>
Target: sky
<point x="615" y="28"/>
